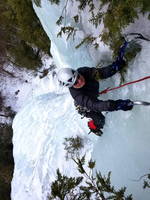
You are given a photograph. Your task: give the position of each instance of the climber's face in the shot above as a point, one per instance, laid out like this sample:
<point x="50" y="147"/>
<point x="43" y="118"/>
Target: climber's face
<point x="80" y="82"/>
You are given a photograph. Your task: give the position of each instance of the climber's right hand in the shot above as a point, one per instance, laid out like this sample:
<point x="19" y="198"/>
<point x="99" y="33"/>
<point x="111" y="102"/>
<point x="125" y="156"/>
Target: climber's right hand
<point x="124" y="104"/>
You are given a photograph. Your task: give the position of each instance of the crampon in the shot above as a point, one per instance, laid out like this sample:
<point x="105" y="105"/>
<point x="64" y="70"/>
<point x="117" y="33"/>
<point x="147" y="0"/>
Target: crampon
<point x="94" y="129"/>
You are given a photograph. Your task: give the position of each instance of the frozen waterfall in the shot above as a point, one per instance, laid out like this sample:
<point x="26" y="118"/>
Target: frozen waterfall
<point x="41" y="126"/>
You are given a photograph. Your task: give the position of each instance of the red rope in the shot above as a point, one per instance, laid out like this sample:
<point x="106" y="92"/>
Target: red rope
<point x="129" y="83"/>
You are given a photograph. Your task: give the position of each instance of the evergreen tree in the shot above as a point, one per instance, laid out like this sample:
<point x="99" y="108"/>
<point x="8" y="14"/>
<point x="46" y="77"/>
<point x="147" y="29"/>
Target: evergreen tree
<point x="30" y="29"/>
<point x="25" y="56"/>
<point x="73" y="146"/>
<point x="87" y="185"/>
<point x="6" y="161"/>
<point x="22" y="37"/>
<point x="118" y="15"/>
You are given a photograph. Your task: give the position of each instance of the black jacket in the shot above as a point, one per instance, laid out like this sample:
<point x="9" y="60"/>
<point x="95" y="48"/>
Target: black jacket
<point x="87" y="95"/>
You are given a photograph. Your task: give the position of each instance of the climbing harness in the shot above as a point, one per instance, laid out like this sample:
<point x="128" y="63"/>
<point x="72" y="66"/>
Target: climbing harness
<point x="81" y="110"/>
<point x="129" y="83"/>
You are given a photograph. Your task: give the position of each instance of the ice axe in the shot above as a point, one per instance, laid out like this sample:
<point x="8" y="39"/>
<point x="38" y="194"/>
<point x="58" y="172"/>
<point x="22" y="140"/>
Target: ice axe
<point x="144" y="103"/>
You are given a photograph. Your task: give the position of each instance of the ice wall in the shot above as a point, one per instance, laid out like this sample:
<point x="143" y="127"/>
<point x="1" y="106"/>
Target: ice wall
<point x="64" y="51"/>
<point x="124" y="147"/>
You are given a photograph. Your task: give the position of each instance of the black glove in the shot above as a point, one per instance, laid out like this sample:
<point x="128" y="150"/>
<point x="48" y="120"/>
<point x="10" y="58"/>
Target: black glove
<point x="118" y="64"/>
<point x="124" y="104"/>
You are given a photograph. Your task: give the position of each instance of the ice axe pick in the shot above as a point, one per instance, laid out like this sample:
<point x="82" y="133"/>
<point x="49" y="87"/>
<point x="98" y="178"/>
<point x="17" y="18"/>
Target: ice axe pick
<point x="144" y="103"/>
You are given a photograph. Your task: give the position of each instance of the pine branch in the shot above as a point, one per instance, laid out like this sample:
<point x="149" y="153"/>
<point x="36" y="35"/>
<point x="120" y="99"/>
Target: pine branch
<point x="67" y="30"/>
<point x="9" y="59"/>
<point x="61" y="18"/>
<point x="93" y="186"/>
<point x="96" y="19"/>
<point x="9" y="73"/>
<point x="59" y="21"/>
<point x="87" y="40"/>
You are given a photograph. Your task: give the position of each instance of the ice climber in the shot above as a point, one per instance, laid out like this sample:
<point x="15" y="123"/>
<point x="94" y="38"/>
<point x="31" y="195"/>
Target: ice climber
<point x="84" y="88"/>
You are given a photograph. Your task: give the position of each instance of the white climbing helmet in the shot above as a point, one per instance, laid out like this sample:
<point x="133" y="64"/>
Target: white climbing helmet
<point x="67" y="76"/>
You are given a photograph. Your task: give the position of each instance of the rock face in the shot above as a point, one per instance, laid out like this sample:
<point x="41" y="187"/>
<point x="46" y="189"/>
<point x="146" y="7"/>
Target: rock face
<point x="6" y="160"/>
